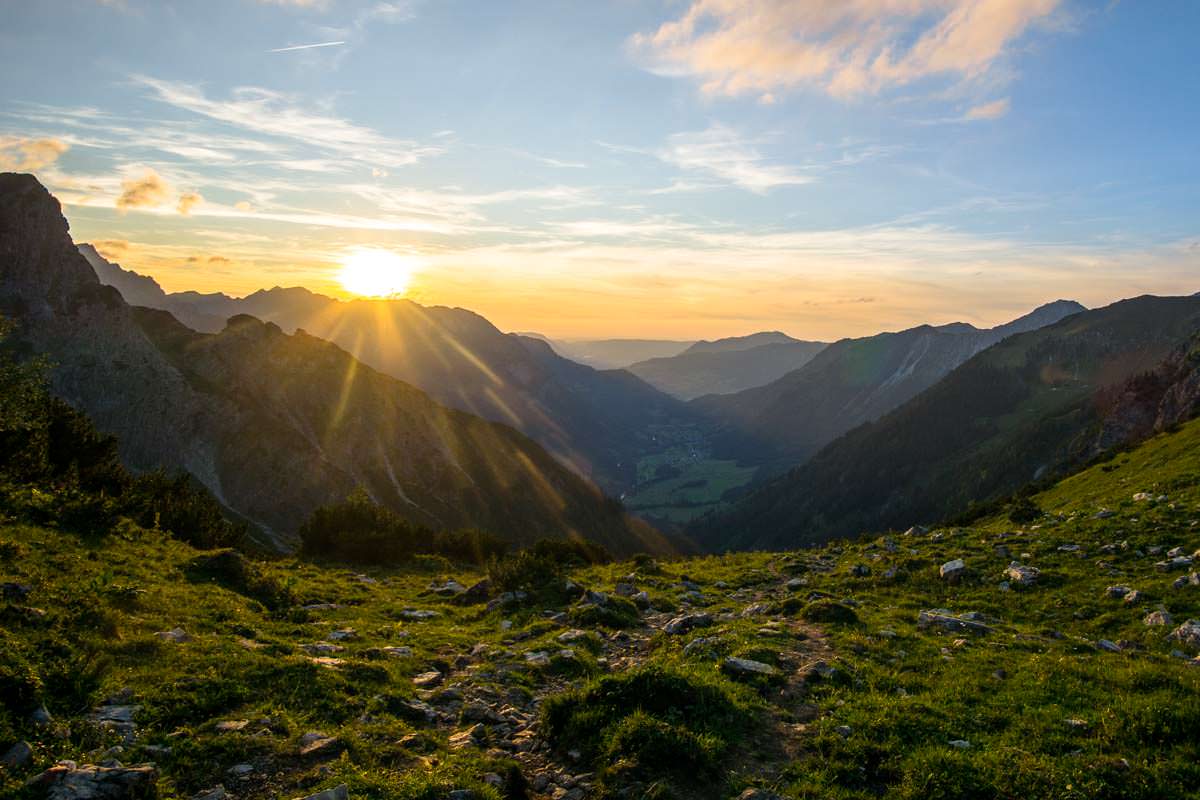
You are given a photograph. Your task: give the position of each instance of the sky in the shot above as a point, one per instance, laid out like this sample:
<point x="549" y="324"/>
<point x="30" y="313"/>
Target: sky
<point x="626" y="168"/>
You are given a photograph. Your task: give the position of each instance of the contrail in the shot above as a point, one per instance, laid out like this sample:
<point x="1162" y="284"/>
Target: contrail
<point x="304" y="47"/>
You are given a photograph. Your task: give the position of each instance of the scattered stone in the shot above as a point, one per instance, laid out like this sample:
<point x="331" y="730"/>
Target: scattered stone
<point x="1188" y="633"/>
<point x="216" y="793"/>
<point x="17" y="756"/>
<point x="818" y="670"/>
<point x="1068" y="548"/>
<point x="860" y="571"/>
<point x="1134" y="597"/>
<point x="947" y="620"/>
<point x="748" y="667"/>
<point x="340" y="792"/>
<point x="759" y="794"/>
<point x="1104" y="513"/>
<point x="1160" y="617"/>
<point x="1184" y="581"/>
<point x="319" y="745"/>
<point x="1108" y="646"/>
<point x="537" y="658"/>
<point x="953" y="570"/>
<point x="1117" y="592"/>
<point x="1142" y="497"/>
<point x="1179" y="562"/>
<point x="795" y="584"/>
<point x="176" y="635"/>
<point x="241" y="770"/>
<point x="427" y="680"/>
<point x="844" y="731"/>
<point x="66" y="781"/>
<point x="321" y="648"/>
<point x="397" y="652"/>
<point x="687" y="622"/>
<point x="916" y="530"/>
<point x="1025" y="576"/>
<point x="343" y="634"/>
<point x="960" y="744"/>
<point x="15" y="592"/>
<point x="231" y="725"/>
<point x="418" y="615"/>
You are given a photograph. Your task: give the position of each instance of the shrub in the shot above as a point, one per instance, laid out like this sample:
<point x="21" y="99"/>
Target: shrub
<point x="235" y="572"/>
<point x="1023" y="510"/>
<point x="829" y="612"/>
<point x="650" y="722"/>
<point x="537" y="575"/>
<point x="572" y="552"/>
<point x="185" y="509"/>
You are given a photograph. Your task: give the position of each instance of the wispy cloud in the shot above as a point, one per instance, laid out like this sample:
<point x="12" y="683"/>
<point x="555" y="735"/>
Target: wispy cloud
<point x="722" y="152"/>
<point x="843" y="47"/>
<point x="993" y="110"/>
<point x="267" y="112"/>
<point x="307" y="46"/>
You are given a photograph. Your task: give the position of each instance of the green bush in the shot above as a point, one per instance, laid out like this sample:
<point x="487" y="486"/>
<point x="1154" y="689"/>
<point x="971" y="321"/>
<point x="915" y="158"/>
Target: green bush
<point x="831" y="612"/>
<point x="651" y="722"/>
<point x="539" y="576"/>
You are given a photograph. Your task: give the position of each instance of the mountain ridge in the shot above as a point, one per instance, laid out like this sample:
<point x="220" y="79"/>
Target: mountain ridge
<point x="273" y="443"/>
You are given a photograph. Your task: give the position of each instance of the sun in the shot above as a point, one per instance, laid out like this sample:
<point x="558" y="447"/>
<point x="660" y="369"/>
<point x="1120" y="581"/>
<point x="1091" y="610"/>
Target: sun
<point x="371" y="272"/>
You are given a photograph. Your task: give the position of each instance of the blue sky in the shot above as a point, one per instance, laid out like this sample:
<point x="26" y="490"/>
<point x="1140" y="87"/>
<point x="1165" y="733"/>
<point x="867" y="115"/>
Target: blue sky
<point x="685" y="168"/>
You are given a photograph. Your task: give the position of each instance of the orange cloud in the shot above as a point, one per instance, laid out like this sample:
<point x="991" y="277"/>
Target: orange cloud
<point x="188" y="201"/>
<point x="147" y="191"/>
<point x="993" y="110"/>
<point x="845" y="47"/>
<point x="111" y="249"/>
<point x="25" y="155"/>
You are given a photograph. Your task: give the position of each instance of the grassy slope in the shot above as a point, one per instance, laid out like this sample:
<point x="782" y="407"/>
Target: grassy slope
<point x="904" y="697"/>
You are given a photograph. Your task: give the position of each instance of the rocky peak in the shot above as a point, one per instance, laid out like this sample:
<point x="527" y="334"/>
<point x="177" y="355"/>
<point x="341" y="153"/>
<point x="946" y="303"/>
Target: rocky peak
<point x="40" y="269"/>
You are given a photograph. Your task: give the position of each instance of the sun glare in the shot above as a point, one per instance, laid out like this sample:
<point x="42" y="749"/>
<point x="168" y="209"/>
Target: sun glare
<point x="370" y="272"/>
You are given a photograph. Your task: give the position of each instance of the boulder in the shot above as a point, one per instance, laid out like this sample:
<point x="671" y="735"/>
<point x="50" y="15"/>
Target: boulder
<point x="948" y="621"/>
<point x="953" y="570"/>
<point x="687" y="622"/>
<point x="1188" y="633"/>
<point x="1022" y="575"/>
<point x="745" y="667"/>
<point x="66" y="781"/>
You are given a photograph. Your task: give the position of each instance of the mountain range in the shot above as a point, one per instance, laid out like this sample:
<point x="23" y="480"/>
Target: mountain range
<point x="275" y="425"/>
<point x="850" y="382"/>
<point x="728" y="365"/>
<point x="599" y="421"/>
<point x="1034" y="405"/>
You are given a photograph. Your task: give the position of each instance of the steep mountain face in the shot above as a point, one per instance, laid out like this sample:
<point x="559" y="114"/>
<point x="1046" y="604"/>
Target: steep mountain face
<point x="275" y="425"/>
<point x="1151" y="402"/>
<point x="709" y="368"/>
<point x="850" y="382"/>
<point x="598" y="421"/>
<point x="1030" y="406"/>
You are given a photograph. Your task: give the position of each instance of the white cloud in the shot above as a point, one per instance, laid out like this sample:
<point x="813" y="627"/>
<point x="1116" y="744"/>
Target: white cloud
<point x="723" y="153"/>
<point x="844" y="47"/>
<point x="273" y="114"/>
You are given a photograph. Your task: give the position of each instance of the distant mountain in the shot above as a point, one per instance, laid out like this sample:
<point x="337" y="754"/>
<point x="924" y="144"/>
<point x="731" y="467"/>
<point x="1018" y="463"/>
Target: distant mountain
<point x="616" y="353"/>
<point x="722" y="367"/>
<point x="737" y="343"/>
<point x="850" y="382"/>
<point x="275" y="425"/>
<point x="1033" y="405"/>
<point x="598" y="421"/>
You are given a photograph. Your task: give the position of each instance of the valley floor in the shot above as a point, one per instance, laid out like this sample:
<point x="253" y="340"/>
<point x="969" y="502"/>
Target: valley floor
<point x="811" y="674"/>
